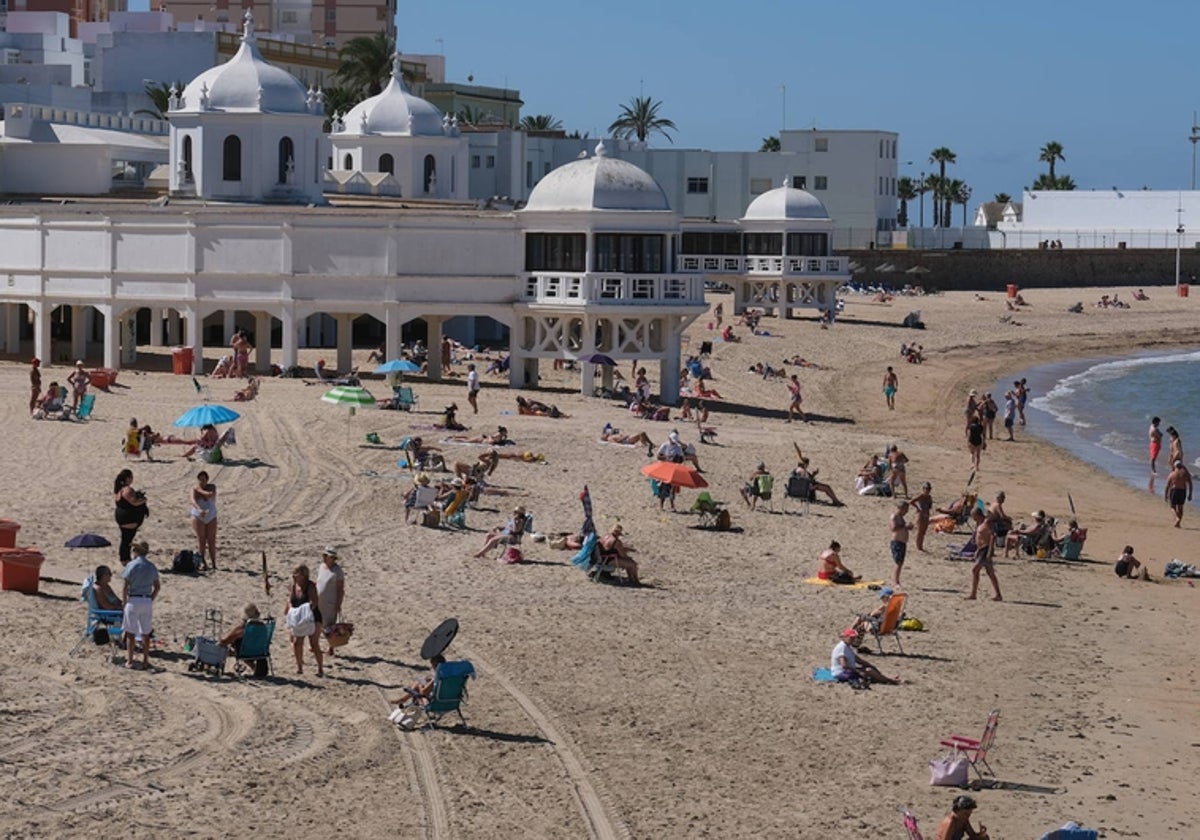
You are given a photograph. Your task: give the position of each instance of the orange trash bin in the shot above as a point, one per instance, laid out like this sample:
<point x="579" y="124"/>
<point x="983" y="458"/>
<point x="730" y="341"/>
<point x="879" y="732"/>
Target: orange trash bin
<point x="20" y="570"/>
<point x="1183" y="290"/>
<point x="8" y="533"/>
<point x="181" y="361"/>
<point x="1013" y="288"/>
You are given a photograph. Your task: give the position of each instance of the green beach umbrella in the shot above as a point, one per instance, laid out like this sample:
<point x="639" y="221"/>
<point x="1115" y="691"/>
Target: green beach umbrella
<point x="351" y="397"/>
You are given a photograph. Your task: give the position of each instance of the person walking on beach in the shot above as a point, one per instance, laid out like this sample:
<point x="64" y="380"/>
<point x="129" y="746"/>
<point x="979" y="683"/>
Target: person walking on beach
<point x="891" y="383"/>
<point x="331" y="590"/>
<point x="794" y="406"/>
<point x="989" y="409"/>
<point x="985" y="543"/>
<point x="79" y="381"/>
<point x="304" y="591"/>
<point x="473" y="388"/>
<point x="974" y="439"/>
<point x="1010" y="412"/>
<point x="1155" y="444"/>
<point x="972" y="406"/>
<point x="204" y="518"/>
<point x="719" y="313"/>
<point x="923" y="504"/>
<point x="1175" y="450"/>
<point x="899" y="543"/>
<point x="131" y="512"/>
<point x="1178" y="490"/>
<point x="140" y="590"/>
<point x="35" y="384"/>
<point x="1021" y="392"/>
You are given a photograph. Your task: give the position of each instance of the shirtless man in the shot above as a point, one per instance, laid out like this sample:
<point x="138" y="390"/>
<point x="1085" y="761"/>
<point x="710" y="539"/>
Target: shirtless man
<point x="985" y="540"/>
<point x="1178" y="490"/>
<point x="794" y="406"/>
<point x="899" y="543"/>
<point x="923" y="503"/>
<point x="898" y="462"/>
<point x="1175" y="452"/>
<point x="891" y="383"/>
<point x="1001" y="521"/>
<point x="1155" y="443"/>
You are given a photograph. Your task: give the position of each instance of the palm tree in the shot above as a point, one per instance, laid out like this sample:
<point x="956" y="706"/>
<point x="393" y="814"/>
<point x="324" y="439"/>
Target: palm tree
<point x="941" y="156"/>
<point x="770" y="144"/>
<point x="921" y="187"/>
<point x="1002" y="198"/>
<point x="1065" y="182"/>
<point x="906" y="191"/>
<point x="1050" y="153"/>
<point x="365" y="62"/>
<point x="469" y="115"/>
<point x="640" y="119"/>
<point x="338" y="100"/>
<point x="541" y="122"/>
<point x="160" y="95"/>
<point x="961" y="196"/>
<point x="1061" y="182"/>
<point x="935" y="185"/>
<point x="950" y="190"/>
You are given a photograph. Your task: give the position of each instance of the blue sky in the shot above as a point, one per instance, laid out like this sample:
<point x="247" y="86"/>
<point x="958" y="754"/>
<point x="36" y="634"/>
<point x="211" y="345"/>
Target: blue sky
<point x="1114" y="83"/>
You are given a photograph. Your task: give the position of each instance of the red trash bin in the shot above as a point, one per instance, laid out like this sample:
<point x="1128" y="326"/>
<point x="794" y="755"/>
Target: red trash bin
<point x="20" y="570"/>
<point x="103" y="378"/>
<point x="8" y="533"/>
<point x="1013" y="288"/>
<point x="1183" y="290"/>
<point x="181" y="361"/>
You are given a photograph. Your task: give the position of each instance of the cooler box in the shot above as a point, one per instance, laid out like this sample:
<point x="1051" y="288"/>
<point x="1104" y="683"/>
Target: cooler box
<point x="103" y="378"/>
<point x="20" y="569"/>
<point x="8" y="533"/>
<point x="181" y="361"/>
<point x="1183" y="289"/>
<point x="1013" y="288"/>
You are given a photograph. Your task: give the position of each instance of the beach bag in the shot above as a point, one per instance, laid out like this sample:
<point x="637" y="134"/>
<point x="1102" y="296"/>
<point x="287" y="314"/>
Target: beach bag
<point x="724" y="520"/>
<point x="339" y="634"/>
<point x="301" y="622"/>
<point x="186" y="563"/>
<point x="949" y="771"/>
<point x="912" y="624"/>
<point x="511" y="555"/>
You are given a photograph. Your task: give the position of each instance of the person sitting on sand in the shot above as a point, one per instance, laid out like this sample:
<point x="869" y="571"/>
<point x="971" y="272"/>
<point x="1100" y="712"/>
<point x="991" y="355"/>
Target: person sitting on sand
<point x="1128" y="566"/>
<point x="728" y="336"/>
<point x="957" y="824"/>
<point x="249" y="392"/>
<point x="831" y="567"/>
<point x="450" y="420"/>
<point x="485" y="465"/>
<point x="224" y="366"/>
<point x="612" y="435"/>
<point x="514" y="527"/>
<point x="847" y="664"/>
<point x="207" y="441"/>
<point x="537" y="409"/>
<point x="613" y="550"/>
<point x="500" y="438"/>
<point x="1140" y="295"/>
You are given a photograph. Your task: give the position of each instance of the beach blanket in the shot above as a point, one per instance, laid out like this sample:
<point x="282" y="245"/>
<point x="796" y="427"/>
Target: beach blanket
<point x="862" y="584"/>
<point x="823" y="675"/>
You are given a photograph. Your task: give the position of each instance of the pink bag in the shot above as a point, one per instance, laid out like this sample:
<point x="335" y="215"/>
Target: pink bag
<point x="950" y="771"/>
<point x="511" y="555"/>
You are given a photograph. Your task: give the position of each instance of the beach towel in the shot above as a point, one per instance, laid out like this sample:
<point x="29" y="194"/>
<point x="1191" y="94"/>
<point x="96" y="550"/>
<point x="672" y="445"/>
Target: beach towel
<point x="862" y="584"/>
<point x="823" y="675"/>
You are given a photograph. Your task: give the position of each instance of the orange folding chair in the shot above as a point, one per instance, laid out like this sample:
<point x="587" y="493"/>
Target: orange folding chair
<point x="976" y="750"/>
<point x="889" y="623"/>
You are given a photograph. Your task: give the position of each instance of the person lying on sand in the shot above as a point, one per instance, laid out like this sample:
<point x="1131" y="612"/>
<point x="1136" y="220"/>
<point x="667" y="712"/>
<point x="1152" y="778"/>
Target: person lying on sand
<point x="538" y="409"/>
<point x="500" y="438"/>
<point x="612" y="435"/>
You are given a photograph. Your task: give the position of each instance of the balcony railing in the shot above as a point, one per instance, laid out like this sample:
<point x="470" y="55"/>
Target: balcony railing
<point x="697" y="263"/>
<point x="613" y="289"/>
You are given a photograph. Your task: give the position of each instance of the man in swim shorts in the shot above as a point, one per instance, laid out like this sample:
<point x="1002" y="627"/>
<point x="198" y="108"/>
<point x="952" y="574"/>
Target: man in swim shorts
<point x="1155" y="443"/>
<point x="890" y="383"/>
<point x="1178" y="490"/>
<point x="899" y="543"/>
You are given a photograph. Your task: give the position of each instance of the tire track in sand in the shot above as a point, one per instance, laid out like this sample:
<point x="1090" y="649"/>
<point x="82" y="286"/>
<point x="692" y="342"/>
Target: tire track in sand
<point x="418" y="756"/>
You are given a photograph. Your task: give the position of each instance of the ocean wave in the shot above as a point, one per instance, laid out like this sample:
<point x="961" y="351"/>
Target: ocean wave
<point x="1057" y="408"/>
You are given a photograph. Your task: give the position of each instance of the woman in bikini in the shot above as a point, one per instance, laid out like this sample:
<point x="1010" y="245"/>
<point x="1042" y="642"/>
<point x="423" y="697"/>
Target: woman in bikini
<point x="204" y="518"/>
<point x="304" y="591"/>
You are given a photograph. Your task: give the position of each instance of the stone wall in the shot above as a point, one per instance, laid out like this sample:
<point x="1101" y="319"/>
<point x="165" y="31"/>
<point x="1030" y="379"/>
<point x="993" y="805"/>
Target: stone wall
<point x="993" y="270"/>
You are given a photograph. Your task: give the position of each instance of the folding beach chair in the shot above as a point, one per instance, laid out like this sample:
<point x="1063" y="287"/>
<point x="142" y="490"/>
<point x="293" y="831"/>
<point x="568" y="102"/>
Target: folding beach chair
<point x="86" y="404"/>
<point x="592" y="561"/>
<point x="910" y="825"/>
<point x="455" y="513"/>
<point x="976" y="750"/>
<point x="255" y="649"/>
<point x="708" y="509"/>
<point x="403" y="398"/>
<point x="799" y="487"/>
<point x="763" y="487"/>
<point x="1069" y="549"/>
<point x="516" y="537"/>
<point x="102" y="625"/>
<point x="889" y="622"/>
<point x="448" y="694"/>
<point x="965" y="551"/>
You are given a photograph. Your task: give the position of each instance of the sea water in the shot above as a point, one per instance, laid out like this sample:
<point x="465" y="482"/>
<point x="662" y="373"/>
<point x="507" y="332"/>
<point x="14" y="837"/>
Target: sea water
<point x="1100" y="410"/>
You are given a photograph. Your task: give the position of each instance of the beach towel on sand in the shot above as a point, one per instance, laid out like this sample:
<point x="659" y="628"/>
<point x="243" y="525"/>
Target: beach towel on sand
<point x="862" y="584"/>
<point x="823" y="675"/>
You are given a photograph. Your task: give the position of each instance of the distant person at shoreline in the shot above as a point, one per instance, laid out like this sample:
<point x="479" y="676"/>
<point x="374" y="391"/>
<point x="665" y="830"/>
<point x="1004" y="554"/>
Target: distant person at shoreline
<point x="1178" y="490"/>
<point x="1175" y="451"/>
<point x="1010" y="413"/>
<point x="1155" y="443"/>
<point x="1021" y="392"/>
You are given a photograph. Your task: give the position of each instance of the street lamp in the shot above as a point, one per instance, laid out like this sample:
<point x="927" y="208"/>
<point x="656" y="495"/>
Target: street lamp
<point x="1195" y="138"/>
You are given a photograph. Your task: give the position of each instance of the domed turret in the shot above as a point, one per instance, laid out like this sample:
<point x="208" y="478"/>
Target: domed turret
<point x="393" y="112"/>
<point x="597" y="183"/>
<point x="785" y="203"/>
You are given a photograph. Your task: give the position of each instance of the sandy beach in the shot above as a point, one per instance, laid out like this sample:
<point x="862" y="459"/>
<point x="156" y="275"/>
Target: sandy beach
<point x="684" y="708"/>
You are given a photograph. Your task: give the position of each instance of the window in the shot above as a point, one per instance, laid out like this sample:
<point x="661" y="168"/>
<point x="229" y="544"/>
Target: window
<point x="474" y="161"/>
<point x="882" y="148"/>
<point x="555" y="251"/>
<point x="821" y="144"/>
<point x="807" y="244"/>
<point x="719" y="244"/>
<point x="758" y="186"/>
<point x="347" y="162"/>
<point x="799" y="182"/>
<point x="763" y="244"/>
<point x="187" y="158"/>
<point x="491" y="161"/>
<point x="387" y="164"/>
<point x="697" y="185"/>
<point x="430" y="173"/>
<point x="287" y="160"/>
<point x="288" y="17"/>
<point x="231" y="158"/>
<point x="528" y="173"/>
<point x="331" y="15"/>
<point x="629" y="253"/>
<point x="820" y="182"/>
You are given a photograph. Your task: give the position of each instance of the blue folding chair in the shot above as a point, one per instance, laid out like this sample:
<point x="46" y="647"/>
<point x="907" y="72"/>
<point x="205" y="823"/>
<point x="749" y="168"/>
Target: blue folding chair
<point x="86" y="404"/>
<point x="447" y="695"/>
<point x="108" y="621"/>
<point x="255" y="648"/>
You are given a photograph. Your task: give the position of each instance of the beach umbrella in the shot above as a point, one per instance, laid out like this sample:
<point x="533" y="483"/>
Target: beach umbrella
<point x="398" y="366"/>
<point x="205" y="415"/>
<point x="349" y="396"/>
<point x="87" y="541"/>
<point x="589" y="527"/>
<point x="440" y="638"/>
<point x="679" y="475"/>
<point x="598" y="359"/>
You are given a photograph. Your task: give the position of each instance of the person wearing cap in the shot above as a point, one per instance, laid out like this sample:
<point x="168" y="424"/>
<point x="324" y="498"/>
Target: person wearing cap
<point x="1178" y="489"/>
<point x="614" y="550"/>
<point x="754" y="488"/>
<point x="79" y="381"/>
<point x="140" y="589"/>
<point x="35" y="384"/>
<point x="506" y="533"/>
<point x="331" y="589"/>
<point x="957" y="824"/>
<point x="848" y="664"/>
<point x="972" y="406"/>
<point x="872" y="619"/>
<point x="1031" y="535"/>
<point x="922" y="503"/>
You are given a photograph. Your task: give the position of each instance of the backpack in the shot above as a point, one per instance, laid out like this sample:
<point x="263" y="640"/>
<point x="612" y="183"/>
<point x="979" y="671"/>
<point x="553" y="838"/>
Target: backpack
<point x="186" y="563"/>
<point x="724" y="520"/>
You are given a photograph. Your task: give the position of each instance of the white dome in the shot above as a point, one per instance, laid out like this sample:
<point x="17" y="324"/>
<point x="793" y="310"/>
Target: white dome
<point x="394" y="111"/>
<point x="598" y="183"/>
<point x="246" y="83"/>
<point x="785" y="203"/>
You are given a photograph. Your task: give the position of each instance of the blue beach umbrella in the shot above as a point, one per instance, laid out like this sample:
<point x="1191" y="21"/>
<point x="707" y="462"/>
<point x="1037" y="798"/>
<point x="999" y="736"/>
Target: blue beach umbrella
<point x="398" y="366"/>
<point x="205" y="415"/>
<point x="87" y="541"/>
<point x="598" y="359"/>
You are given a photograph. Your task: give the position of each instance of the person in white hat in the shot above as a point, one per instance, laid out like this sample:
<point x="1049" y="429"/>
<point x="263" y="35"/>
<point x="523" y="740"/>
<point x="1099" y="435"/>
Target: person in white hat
<point x="79" y="381"/>
<point x="331" y="589"/>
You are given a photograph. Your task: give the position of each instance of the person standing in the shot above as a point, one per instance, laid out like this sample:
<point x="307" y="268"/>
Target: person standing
<point x="891" y="383"/>
<point x="957" y="824"/>
<point x="204" y="518"/>
<point x="131" y="512"/>
<point x="1178" y="490"/>
<point x="1021" y="392"/>
<point x="985" y="542"/>
<point x="473" y="387"/>
<point x="140" y="590"/>
<point x="899" y="544"/>
<point x="304" y="591"/>
<point x="719" y="313"/>
<point x="1175" y="450"/>
<point x="35" y="384"/>
<point x="1010" y="413"/>
<point x="79" y="381"/>
<point x="975" y="439"/>
<point x="331" y="590"/>
<point x="1155" y="444"/>
<point x="923" y="504"/>
<point x="989" y="409"/>
<point x="898" y="466"/>
<point x="794" y="407"/>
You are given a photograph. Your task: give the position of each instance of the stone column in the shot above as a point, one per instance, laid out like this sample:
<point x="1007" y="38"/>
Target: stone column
<point x="174" y="333"/>
<point x="262" y="342"/>
<point x="289" y="341"/>
<point x="12" y="330"/>
<point x="392" y="323"/>
<point x="195" y="338"/>
<point x="228" y="324"/>
<point x="434" y="341"/>
<point x="668" y="376"/>
<point x="79" y="331"/>
<point x="112" y="337"/>
<point x="41" y="330"/>
<point x="156" y="327"/>
<point x="345" y="343"/>
<point x="129" y="338"/>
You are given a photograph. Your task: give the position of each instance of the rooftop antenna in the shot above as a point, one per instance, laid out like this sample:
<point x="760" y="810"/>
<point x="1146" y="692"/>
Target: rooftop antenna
<point x="441" y="42"/>
<point x="783" y="98"/>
